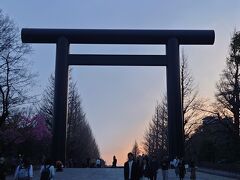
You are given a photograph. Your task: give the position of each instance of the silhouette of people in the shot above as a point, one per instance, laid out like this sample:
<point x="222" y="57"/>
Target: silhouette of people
<point x="164" y="166"/>
<point x="182" y="170"/>
<point x="139" y="162"/>
<point x="175" y="164"/>
<point x="88" y="162"/>
<point x="20" y="159"/>
<point x="47" y="166"/>
<point x="59" y="166"/>
<point x="114" y="163"/>
<point x="98" y="163"/>
<point x="192" y="170"/>
<point x="24" y="170"/>
<point x="153" y="167"/>
<point x="145" y="169"/>
<point x="3" y="168"/>
<point x="130" y="168"/>
<point x="70" y="163"/>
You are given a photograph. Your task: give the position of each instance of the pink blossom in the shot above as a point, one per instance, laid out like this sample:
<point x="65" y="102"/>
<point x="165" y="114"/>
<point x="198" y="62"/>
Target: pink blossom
<point x="40" y="130"/>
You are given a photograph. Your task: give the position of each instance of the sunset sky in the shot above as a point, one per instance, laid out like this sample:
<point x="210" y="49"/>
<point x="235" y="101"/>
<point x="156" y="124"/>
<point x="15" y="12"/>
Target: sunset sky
<point x="119" y="101"/>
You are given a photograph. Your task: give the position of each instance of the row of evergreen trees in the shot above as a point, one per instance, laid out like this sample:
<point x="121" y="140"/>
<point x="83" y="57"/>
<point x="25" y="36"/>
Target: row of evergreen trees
<point x="81" y="143"/>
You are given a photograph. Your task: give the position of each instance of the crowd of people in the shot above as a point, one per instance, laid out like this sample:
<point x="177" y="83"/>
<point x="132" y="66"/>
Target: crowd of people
<point x="180" y="168"/>
<point x="145" y="168"/>
<point x="141" y="167"/>
<point x="24" y="169"/>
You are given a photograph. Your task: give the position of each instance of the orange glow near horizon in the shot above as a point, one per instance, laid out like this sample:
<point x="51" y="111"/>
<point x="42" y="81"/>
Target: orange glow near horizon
<point x="121" y="155"/>
<point x="121" y="158"/>
<point x="122" y="141"/>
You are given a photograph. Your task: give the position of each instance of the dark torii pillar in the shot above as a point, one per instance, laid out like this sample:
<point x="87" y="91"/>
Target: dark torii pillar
<point x="171" y="38"/>
<point x="60" y="100"/>
<point x="175" y="114"/>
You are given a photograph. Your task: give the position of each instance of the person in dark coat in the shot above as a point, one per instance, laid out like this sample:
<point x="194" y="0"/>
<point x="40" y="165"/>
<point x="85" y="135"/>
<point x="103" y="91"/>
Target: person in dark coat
<point x="145" y="169"/>
<point x="139" y="162"/>
<point x="114" y="163"/>
<point x="192" y="170"/>
<point x="3" y="168"/>
<point x="182" y="170"/>
<point x="164" y="166"/>
<point x="153" y="168"/>
<point x="130" y="168"/>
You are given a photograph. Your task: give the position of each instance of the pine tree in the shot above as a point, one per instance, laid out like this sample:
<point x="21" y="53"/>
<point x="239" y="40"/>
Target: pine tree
<point x="135" y="150"/>
<point x="155" y="140"/>
<point x="81" y="143"/>
<point x="228" y="87"/>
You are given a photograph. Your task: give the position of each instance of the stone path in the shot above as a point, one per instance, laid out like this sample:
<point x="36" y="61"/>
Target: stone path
<point x="114" y="174"/>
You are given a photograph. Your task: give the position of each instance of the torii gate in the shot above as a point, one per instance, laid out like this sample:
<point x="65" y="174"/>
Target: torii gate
<point x="171" y="38"/>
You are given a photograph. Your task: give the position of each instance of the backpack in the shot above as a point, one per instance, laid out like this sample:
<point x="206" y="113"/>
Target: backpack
<point x="46" y="174"/>
<point x="23" y="173"/>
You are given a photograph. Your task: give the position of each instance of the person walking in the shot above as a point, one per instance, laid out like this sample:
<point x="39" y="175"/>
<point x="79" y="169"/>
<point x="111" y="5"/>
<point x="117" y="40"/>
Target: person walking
<point x="145" y="169"/>
<point x="24" y="171"/>
<point x="98" y="163"/>
<point x="164" y="166"/>
<point x="175" y="164"/>
<point x="114" y="163"/>
<point x="192" y="170"/>
<point x="3" y="168"/>
<point x="130" y="168"/>
<point x="153" y="168"/>
<point x="182" y="170"/>
<point x="139" y="162"/>
<point x="59" y="166"/>
<point x="47" y="170"/>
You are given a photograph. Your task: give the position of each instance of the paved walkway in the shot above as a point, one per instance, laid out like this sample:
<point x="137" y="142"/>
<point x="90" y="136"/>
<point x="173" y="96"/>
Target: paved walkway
<point x="114" y="174"/>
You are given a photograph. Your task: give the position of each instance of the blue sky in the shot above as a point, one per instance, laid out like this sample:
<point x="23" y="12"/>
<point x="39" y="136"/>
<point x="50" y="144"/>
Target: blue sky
<point x="119" y="101"/>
